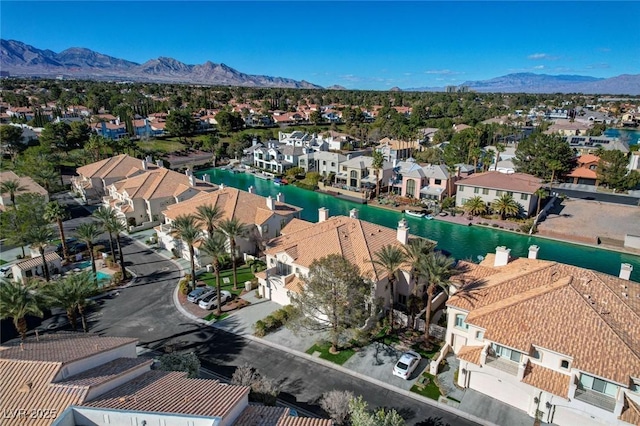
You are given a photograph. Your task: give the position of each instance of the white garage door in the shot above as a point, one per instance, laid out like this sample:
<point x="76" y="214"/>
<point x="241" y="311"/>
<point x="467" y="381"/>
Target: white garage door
<point x="567" y="417"/>
<point x="502" y="391"/>
<point x="458" y="342"/>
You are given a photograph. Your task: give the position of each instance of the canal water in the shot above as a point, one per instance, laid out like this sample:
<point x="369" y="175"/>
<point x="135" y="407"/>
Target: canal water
<point x="463" y="242"/>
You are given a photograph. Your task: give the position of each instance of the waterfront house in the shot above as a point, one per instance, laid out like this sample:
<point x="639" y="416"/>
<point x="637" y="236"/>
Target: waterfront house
<point x="589" y="144"/>
<point x="322" y="162"/>
<point x="28" y="184"/>
<point x="556" y="341"/>
<point x="277" y="157"/>
<point x="357" y="174"/>
<point x="585" y="173"/>
<point x="289" y="256"/>
<point x="431" y="181"/>
<point x="303" y="140"/>
<point x="265" y="218"/>
<point x="396" y="150"/>
<point x="490" y="186"/>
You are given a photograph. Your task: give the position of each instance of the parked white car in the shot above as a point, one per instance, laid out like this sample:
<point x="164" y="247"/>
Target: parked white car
<point x="211" y="301"/>
<point x="406" y="364"/>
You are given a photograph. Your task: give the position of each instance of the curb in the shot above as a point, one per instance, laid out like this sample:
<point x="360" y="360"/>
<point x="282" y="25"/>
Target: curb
<point x="376" y="382"/>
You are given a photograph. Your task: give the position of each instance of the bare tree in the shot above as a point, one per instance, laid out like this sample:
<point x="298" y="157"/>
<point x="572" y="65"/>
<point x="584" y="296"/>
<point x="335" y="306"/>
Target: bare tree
<point x="336" y="404"/>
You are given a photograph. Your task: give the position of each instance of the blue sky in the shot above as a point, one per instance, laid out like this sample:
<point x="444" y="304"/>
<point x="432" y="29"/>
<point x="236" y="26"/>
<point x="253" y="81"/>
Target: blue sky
<point x="359" y="45"/>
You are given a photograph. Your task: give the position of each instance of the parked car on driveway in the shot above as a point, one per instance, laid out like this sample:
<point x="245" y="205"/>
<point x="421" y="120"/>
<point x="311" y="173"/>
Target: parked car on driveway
<point x="73" y="245"/>
<point x="195" y="296"/>
<point x="406" y="364"/>
<point x="211" y="301"/>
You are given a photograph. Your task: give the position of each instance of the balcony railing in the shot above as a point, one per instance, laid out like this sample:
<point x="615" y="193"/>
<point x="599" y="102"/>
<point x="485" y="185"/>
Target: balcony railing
<point x="598" y="399"/>
<point x="502" y="364"/>
<point x="166" y="228"/>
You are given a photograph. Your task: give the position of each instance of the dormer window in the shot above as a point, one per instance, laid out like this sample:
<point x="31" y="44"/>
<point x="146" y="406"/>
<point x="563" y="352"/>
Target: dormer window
<point x="564" y="364"/>
<point x="535" y="354"/>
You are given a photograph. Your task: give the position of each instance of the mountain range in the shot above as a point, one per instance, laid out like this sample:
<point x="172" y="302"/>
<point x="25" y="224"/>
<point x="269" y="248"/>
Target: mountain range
<point x="20" y="59"/>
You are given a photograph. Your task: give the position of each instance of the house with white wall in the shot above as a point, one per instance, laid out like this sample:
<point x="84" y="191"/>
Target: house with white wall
<point x="290" y="256"/>
<point x="358" y="173"/>
<point x="33" y="266"/>
<point x="322" y="162"/>
<point x="554" y="340"/>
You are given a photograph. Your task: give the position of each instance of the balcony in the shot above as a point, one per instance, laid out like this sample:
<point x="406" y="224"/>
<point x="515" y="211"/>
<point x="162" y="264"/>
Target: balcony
<point x="166" y="228"/>
<point x="502" y="364"/>
<point x="598" y="399"/>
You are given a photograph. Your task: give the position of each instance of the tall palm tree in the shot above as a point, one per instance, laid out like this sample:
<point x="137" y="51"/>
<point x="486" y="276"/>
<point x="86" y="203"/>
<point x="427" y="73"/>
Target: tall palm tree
<point x="390" y="258"/>
<point x="104" y="215"/>
<point x="414" y="251"/>
<point x="215" y="246"/>
<point x="376" y="165"/>
<point x="555" y="166"/>
<point x="475" y="206"/>
<point x="208" y="216"/>
<point x="54" y="212"/>
<point x="115" y="226"/>
<point x="475" y="153"/>
<point x="12" y="187"/>
<point x="71" y="294"/>
<point x="233" y="229"/>
<point x="505" y="206"/>
<point x="39" y="237"/>
<point x="437" y="269"/>
<point x="89" y="232"/>
<point x="188" y="231"/>
<point x="18" y="300"/>
<point x="540" y="193"/>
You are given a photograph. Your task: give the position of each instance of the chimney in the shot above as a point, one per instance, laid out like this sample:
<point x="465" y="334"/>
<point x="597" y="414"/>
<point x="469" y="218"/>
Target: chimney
<point x="280" y="197"/>
<point x="533" y="252"/>
<point x="254" y="141"/>
<point x="159" y="163"/>
<point x="271" y="204"/>
<point x="403" y="231"/>
<point x="251" y="190"/>
<point x="192" y="180"/>
<point x="625" y="271"/>
<point x="323" y="214"/>
<point x="188" y="172"/>
<point x="149" y="159"/>
<point x="144" y="164"/>
<point x="353" y="213"/>
<point x="502" y="256"/>
<point x="221" y="186"/>
<point x="207" y="178"/>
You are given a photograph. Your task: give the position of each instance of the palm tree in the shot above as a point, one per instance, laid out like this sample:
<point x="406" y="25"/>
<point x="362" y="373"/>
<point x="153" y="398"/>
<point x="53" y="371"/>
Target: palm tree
<point x="208" y="216"/>
<point x="215" y="246"/>
<point x="554" y="166"/>
<point x="71" y="293"/>
<point x="39" y="238"/>
<point x="12" y="187"/>
<point x="475" y="206"/>
<point x="188" y="231"/>
<point x="104" y="215"/>
<point x="475" y="153"/>
<point x="18" y="300"/>
<point x="505" y="206"/>
<point x="89" y="232"/>
<point x="54" y="212"/>
<point x="540" y="193"/>
<point x="437" y="269"/>
<point x="376" y="165"/>
<point x="233" y="229"/>
<point x="115" y="226"/>
<point x="390" y="258"/>
<point x="414" y="251"/>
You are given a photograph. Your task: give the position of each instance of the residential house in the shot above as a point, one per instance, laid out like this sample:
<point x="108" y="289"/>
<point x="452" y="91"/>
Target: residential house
<point x="358" y="174"/>
<point x="289" y="256"/>
<point x="490" y="186"/>
<point x="303" y="140"/>
<point x="142" y="198"/>
<point x="142" y="129"/>
<point x="431" y="181"/>
<point x="24" y="113"/>
<point x="94" y="179"/>
<point x="277" y="157"/>
<point x="502" y="160"/>
<point x="322" y="162"/>
<point x="569" y="128"/>
<point x="265" y="217"/>
<point x="585" y="173"/>
<point x="113" y="130"/>
<point x="32" y="267"/>
<point x="396" y="150"/>
<point x="556" y="341"/>
<point x="27" y="183"/>
<point x="589" y="144"/>
<point x="86" y="379"/>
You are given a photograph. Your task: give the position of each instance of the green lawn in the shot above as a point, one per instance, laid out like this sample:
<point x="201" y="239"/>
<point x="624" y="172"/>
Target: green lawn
<point x="430" y="390"/>
<point x="213" y="316"/>
<point x="164" y="145"/>
<point x="2" y="262"/>
<point x="244" y="274"/>
<point x="323" y="348"/>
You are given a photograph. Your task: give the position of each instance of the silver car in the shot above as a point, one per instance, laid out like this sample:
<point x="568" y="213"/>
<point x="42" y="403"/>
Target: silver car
<point x="211" y="301"/>
<point x="199" y="293"/>
<point x="406" y="364"/>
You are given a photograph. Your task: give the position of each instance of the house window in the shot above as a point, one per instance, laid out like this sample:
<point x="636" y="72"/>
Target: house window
<point x="344" y="168"/>
<point x="284" y="269"/>
<point x="402" y="299"/>
<point x="324" y="163"/>
<point x="461" y="188"/>
<point x="476" y="190"/>
<point x="598" y="385"/>
<point x="265" y="228"/>
<point x="302" y="162"/>
<point x="535" y="354"/>
<point x="498" y="193"/>
<point x="411" y="188"/>
<point x="485" y="191"/>
<point x="506" y="353"/>
<point x="510" y="194"/>
<point x="437" y="182"/>
<point x="564" y="364"/>
<point x="333" y="164"/>
<point x="479" y="335"/>
<point x="460" y="322"/>
<point x="524" y="196"/>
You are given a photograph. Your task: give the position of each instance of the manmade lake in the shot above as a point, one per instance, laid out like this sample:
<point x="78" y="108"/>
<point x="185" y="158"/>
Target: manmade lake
<point x="463" y="242"/>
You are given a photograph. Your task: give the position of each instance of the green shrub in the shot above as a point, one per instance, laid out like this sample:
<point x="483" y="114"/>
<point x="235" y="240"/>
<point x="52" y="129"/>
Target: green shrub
<point x="261" y="329"/>
<point x="117" y="277"/>
<point x="183" y="285"/>
<point x="279" y="316"/>
<point x="270" y="322"/>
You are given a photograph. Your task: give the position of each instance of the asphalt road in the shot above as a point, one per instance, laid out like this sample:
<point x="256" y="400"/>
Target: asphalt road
<point x="599" y="196"/>
<point x="145" y="310"/>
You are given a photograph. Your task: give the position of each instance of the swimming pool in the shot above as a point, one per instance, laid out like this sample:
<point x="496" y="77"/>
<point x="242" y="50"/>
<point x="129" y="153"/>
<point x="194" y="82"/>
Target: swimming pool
<point x="103" y="279"/>
<point x="84" y="264"/>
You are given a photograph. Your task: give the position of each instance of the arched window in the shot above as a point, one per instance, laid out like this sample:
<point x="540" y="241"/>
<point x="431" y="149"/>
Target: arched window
<point x="411" y="188"/>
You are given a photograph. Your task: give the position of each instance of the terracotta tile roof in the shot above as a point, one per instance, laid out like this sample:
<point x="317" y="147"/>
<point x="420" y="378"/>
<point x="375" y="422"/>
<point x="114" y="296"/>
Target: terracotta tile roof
<point x="588" y="158"/>
<point x="246" y="207"/>
<point x="471" y="354"/>
<point x="548" y="380"/>
<point x="296" y="225"/>
<point x="105" y="372"/>
<point x="583" y="172"/>
<point x="294" y="284"/>
<point x="173" y="392"/>
<point x="159" y="183"/>
<point x="256" y="415"/>
<point x="26" y="385"/>
<point x="119" y="166"/>
<point x="630" y="412"/>
<point x="303" y="421"/>
<point x="25" y="181"/>
<point x="354" y="239"/>
<point x="28" y="264"/>
<point x="574" y="302"/>
<point x="60" y="347"/>
<point x="518" y="182"/>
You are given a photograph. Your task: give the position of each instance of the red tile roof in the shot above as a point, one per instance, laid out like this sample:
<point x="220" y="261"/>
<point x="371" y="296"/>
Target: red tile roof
<point x="517" y="182"/>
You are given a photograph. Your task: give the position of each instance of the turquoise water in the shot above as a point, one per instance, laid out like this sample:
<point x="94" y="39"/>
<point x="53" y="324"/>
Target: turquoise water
<point x="463" y="242"/>
<point x="82" y="265"/>
<point x="632" y="136"/>
<point x="102" y="276"/>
